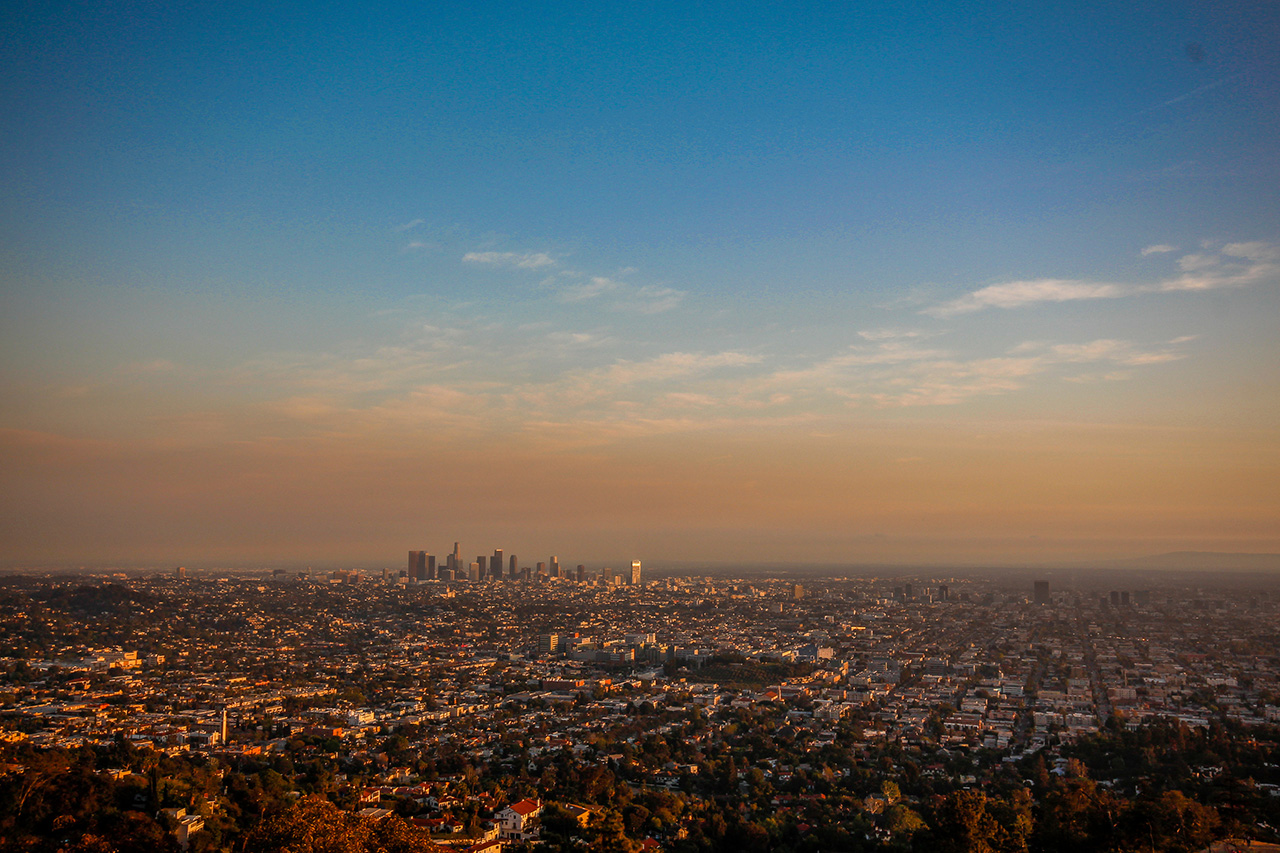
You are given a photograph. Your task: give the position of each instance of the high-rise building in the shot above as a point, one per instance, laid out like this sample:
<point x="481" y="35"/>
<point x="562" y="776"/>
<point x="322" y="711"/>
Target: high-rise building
<point x="495" y="564"/>
<point x="542" y="568"/>
<point x="180" y="572"/>
<point x="418" y="565"/>
<point x="483" y="562"/>
<point x="908" y="592"/>
<point x="1041" y="592"/>
<point x="944" y="594"/>
<point x="513" y="571"/>
<point x="474" y="574"/>
<point x="797" y="591"/>
<point x="582" y="573"/>
<point x="635" y="572"/>
<point x="555" y="566"/>
<point x="431" y="567"/>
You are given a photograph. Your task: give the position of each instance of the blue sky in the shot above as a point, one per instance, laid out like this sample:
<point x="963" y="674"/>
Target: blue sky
<point x="593" y="236"/>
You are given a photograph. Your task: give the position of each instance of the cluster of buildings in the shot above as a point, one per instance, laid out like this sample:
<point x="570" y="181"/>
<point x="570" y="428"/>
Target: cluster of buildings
<point x="423" y="566"/>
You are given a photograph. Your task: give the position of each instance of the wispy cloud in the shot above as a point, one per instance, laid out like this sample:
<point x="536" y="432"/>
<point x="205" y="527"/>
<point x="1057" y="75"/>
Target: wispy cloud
<point x="410" y="225"/>
<point x="671" y="365"/>
<point x="1158" y="249"/>
<point x="651" y="299"/>
<point x="893" y="334"/>
<point x="528" y="261"/>
<point x="591" y="289"/>
<point x="1233" y="265"/>
<point x="1015" y="294"/>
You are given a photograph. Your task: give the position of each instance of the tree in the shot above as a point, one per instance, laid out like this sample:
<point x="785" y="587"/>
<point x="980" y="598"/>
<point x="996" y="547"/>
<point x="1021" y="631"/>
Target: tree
<point x="315" y="825"/>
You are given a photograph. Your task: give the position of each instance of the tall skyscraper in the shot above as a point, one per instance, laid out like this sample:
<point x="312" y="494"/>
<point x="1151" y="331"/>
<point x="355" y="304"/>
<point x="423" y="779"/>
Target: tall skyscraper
<point x="431" y="567"/>
<point x="542" y="568"/>
<point x="555" y="566"/>
<point x="582" y="573"/>
<point x="417" y="561"/>
<point x="1041" y="592"/>
<point x="495" y="564"/>
<point x="513" y="570"/>
<point x="635" y="572"/>
<point x="483" y="562"/>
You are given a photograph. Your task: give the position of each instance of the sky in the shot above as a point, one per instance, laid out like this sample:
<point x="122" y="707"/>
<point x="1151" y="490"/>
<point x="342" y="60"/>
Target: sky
<point x="937" y="282"/>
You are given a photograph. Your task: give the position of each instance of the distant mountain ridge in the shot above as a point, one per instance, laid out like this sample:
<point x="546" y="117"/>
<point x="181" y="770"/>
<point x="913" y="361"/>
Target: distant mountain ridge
<point x="1233" y="561"/>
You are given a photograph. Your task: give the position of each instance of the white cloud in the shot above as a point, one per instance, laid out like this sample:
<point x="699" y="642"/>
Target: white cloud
<point x="1015" y="294"/>
<point x="529" y="261"/>
<point x="1234" y="265"/>
<point x="591" y="289"/>
<point x="876" y="335"/>
<point x="672" y="365"/>
<point x="1190" y="263"/>
<point x="1158" y="249"/>
<point x="651" y="299"/>
<point x="1258" y="252"/>
<point x="410" y="225"/>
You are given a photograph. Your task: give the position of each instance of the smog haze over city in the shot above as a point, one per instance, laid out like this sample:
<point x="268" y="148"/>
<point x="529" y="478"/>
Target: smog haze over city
<point x="814" y="283"/>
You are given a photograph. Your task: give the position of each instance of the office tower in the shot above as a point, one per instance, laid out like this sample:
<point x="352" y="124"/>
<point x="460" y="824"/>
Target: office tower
<point x="418" y="565"/>
<point x="1124" y="598"/>
<point x="1041" y="592"/>
<point x="555" y="566"/>
<point x="181" y="572"/>
<point x="635" y="572"/>
<point x="483" y="562"/>
<point x="495" y="564"/>
<point x="542" y="568"/>
<point x="908" y="592"/>
<point x="897" y="593"/>
<point x="431" y="567"/>
<point x="944" y="594"/>
<point x="457" y="555"/>
<point x="582" y="573"/>
<point x="548" y="643"/>
<point x="513" y="571"/>
<point x="474" y="574"/>
<point x="797" y="591"/>
<point x="1115" y="599"/>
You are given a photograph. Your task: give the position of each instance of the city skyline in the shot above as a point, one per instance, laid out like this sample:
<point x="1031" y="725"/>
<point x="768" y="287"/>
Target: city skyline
<point x="912" y="286"/>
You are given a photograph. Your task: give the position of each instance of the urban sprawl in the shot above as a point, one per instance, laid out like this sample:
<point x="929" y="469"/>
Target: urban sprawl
<point x="484" y="705"/>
